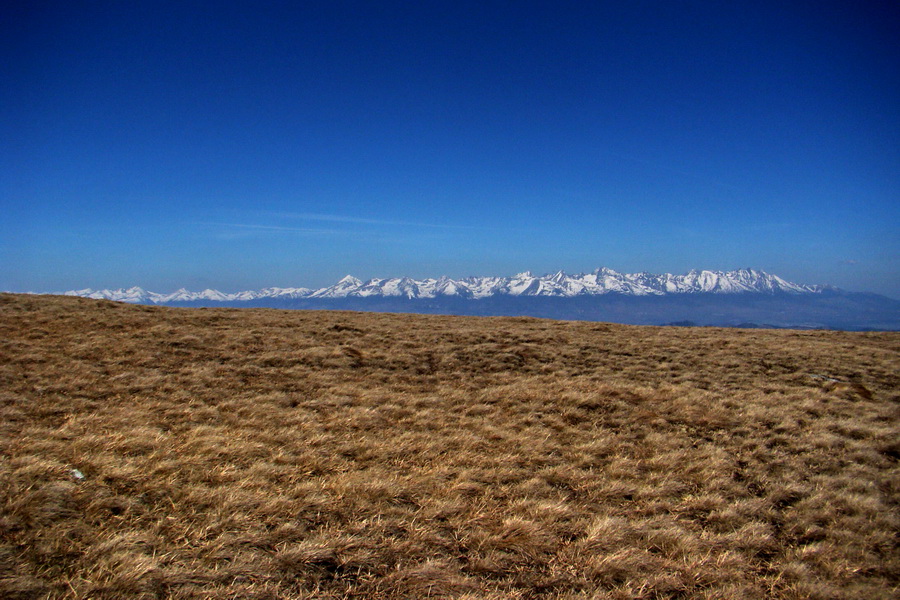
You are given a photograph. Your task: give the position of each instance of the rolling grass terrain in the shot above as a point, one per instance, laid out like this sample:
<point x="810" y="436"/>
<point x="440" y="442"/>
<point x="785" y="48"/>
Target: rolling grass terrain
<point x="150" y="452"/>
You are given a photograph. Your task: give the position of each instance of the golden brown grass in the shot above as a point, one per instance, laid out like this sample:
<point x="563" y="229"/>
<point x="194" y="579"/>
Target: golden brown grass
<point x="275" y="454"/>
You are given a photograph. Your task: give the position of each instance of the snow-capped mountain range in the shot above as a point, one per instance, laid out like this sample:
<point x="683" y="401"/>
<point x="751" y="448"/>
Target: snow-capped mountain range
<point x="598" y="282"/>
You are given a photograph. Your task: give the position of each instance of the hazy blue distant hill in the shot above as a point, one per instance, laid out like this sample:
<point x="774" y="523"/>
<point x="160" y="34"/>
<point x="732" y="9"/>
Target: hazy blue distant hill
<point x="828" y="310"/>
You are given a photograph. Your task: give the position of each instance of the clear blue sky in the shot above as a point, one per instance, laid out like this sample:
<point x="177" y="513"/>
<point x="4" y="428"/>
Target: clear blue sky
<point x="241" y="145"/>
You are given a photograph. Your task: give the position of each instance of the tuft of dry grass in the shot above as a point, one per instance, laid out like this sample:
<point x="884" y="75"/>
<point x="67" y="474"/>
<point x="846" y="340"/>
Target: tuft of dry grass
<point x="150" y="452"/>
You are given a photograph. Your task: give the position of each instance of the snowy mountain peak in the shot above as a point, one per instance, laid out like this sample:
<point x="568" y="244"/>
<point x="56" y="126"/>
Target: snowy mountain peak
<point x="559" y="284"/>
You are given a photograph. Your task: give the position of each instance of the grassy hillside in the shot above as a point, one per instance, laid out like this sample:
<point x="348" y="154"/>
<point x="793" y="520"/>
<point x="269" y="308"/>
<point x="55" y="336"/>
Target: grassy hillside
<point x="151" y="452"/>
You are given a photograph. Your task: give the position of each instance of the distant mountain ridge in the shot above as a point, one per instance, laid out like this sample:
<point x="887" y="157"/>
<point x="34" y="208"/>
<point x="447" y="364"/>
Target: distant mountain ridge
<point x="600" y="282"/>
<point x="740" y="298"/>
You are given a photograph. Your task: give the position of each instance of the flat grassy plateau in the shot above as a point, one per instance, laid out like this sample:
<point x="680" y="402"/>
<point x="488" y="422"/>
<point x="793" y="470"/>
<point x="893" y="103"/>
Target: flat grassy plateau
<point x="150" y="452"/>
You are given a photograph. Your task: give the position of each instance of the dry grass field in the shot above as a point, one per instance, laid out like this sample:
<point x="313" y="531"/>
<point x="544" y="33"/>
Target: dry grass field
<point x="151" y="452"/>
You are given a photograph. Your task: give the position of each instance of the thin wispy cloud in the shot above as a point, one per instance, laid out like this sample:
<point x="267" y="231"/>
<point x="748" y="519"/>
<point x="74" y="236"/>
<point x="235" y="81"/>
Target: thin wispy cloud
<point x="234" y="231"/>
<point x="362" y="220"/>
<point x="258" y="227"/>
<point x="237" y="231"/>
<point x="770" y="226"/>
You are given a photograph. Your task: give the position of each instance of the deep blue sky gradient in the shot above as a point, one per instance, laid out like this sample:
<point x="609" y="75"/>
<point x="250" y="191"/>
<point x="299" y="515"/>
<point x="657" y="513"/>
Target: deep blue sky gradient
<point x="239" y="145"/>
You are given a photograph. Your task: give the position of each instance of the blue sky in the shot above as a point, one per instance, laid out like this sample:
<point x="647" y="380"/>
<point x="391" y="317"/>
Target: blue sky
<point x="239" y="145"/>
